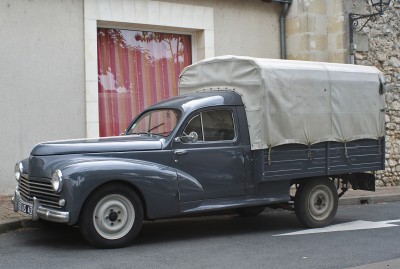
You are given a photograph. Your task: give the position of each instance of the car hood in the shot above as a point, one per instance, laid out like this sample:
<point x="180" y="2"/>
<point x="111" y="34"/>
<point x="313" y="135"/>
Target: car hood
<point x="98" y="145"/>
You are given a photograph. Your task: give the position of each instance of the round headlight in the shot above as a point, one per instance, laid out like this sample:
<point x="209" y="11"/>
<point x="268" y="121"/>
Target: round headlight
<point x="56" y="181"/>
<point x="18" y="169"/>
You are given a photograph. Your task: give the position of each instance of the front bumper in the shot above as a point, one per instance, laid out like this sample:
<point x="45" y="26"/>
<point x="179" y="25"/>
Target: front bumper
<point x="40" y="212"/>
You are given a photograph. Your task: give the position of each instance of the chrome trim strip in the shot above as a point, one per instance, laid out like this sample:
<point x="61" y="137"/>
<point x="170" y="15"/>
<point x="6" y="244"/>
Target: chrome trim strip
<point x="15" y="200"/>
<point x="40" y="185"/>
<point x="35" y="208"/>
<point x="53" y="215"/>
<point x="43" y="191"/>
<point x="40" y="212"/>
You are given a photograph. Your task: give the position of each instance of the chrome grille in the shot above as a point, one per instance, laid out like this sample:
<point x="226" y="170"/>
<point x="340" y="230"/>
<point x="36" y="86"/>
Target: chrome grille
<point x="42" y="190"/>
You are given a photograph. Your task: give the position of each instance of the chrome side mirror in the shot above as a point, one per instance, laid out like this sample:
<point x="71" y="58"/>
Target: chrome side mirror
<point x="193" y="137"/>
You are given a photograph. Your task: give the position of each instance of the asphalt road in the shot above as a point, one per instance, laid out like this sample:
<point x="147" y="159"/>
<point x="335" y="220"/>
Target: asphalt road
<point x="222" y="242"/>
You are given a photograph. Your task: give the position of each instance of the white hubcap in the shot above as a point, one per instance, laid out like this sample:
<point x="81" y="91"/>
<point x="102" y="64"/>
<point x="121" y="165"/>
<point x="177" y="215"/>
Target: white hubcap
<point x="320" y="202"/>
<point x="113" y="216"/>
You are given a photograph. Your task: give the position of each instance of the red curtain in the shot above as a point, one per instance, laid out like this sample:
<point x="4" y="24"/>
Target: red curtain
<point x="136" y="69"/>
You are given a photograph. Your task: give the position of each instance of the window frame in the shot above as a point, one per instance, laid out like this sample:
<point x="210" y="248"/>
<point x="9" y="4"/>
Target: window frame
<point x="200" y="113"/>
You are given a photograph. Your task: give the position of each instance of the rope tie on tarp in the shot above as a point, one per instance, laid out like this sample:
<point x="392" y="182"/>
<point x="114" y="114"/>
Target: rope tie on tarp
<point x="309" y="151"/>
<point x="269" y="154"/>
<point x="379" y="146"/>
<point x="345" y="149"/>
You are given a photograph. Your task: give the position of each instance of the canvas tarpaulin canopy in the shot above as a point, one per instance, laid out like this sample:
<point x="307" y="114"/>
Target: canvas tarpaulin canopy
<point x="296" y="101"/>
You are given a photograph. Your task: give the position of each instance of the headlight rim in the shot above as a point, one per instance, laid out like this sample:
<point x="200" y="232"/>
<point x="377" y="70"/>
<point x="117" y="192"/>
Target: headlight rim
<point x="20" y="171"/>
<point x="57" y="181"/>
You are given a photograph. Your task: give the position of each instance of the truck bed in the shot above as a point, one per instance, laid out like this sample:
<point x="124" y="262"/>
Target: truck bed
<point x="323" y="159"/>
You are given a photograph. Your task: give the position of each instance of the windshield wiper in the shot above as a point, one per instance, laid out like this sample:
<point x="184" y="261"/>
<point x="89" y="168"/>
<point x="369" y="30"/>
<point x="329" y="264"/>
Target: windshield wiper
<point x="151" y="129"/>
<point x="139" y="133"/>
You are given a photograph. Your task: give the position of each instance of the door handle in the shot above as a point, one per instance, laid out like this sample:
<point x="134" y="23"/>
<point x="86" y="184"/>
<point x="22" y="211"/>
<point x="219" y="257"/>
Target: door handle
<point x="180" y="152"/>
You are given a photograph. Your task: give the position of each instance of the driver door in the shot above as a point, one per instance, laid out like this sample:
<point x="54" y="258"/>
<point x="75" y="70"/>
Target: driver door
<point x="212" y="166"/>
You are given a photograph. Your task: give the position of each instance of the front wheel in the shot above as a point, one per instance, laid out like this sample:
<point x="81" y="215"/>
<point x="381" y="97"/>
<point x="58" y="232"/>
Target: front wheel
<point x="112" y="217"/>
<point x="316" y="203"/>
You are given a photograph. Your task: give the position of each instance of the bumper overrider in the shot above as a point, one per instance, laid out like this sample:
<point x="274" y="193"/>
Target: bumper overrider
<point x="37" y="210"/>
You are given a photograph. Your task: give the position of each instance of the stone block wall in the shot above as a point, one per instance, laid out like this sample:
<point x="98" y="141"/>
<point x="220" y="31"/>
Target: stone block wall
<point x="316" y="31"/>
<point x="384" y="53"/>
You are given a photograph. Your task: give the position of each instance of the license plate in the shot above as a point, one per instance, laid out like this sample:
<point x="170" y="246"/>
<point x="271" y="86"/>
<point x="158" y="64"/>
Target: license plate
<point x="24" y="207"/>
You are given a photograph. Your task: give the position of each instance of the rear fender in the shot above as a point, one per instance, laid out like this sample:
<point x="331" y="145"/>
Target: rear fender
<point x="360" y="181"/>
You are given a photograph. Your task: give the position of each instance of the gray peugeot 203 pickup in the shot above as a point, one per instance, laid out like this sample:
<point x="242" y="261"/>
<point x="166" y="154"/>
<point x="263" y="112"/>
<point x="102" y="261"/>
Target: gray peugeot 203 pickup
<point x="244" y="134"/>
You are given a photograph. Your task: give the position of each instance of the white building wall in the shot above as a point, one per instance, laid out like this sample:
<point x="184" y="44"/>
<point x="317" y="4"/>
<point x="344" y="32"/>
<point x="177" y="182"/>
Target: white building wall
<point x="41" y="78"/>
<point x="248" y="28"/>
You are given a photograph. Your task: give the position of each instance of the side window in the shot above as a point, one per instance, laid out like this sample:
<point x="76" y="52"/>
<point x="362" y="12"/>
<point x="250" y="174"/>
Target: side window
<point x="212" y="125"/>
<point x="218" y="125"/>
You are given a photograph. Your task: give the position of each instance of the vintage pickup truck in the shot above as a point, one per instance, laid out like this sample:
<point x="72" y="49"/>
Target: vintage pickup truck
<point x="243" y="134"/>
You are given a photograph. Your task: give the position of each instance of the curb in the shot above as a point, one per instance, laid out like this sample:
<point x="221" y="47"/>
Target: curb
<point x="15" y="224"/>
<point x="369" y="199"/>
<point x="10" y="225"/>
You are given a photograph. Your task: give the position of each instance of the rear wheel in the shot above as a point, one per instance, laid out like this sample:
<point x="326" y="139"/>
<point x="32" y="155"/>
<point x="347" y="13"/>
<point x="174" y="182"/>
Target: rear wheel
<point x="112" y="217"/>
<point x="316" y="202"/>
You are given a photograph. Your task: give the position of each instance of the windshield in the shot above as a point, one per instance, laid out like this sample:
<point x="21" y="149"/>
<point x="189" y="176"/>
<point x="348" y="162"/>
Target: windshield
<point x="158" y="122"/>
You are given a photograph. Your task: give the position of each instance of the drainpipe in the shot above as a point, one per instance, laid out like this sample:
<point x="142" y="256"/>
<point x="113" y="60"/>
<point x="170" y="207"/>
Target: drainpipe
<point x="282" y="31"/>
<point x="285" y="4"/>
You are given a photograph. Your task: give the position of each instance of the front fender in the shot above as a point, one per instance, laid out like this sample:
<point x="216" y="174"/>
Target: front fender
<point x="156" y="183"/>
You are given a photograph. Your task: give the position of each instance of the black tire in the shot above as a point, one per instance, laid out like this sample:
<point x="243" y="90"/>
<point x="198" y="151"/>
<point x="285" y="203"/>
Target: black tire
<point x="316" y="202"/>
<point x="111" y="217"/>
<point x="250" y="211"/>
